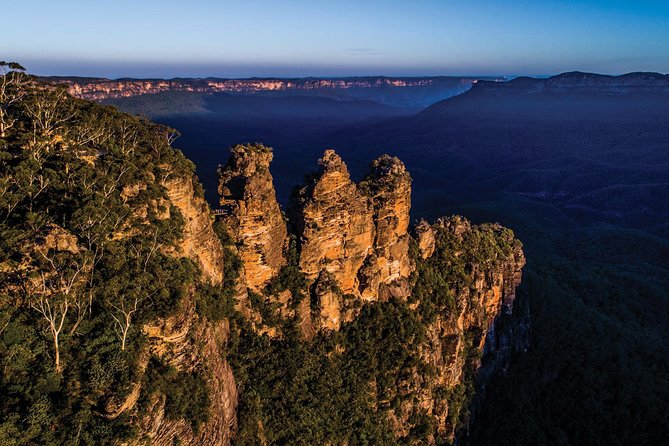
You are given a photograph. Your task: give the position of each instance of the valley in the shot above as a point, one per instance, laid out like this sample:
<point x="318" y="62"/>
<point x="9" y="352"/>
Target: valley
<point x="578" y="166"/>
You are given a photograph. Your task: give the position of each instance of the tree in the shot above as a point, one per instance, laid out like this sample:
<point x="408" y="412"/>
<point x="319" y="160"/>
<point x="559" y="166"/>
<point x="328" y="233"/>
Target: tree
<point x="123" y="310"/>
<point x="11" y="77"/>
<point x="56" y="290"/>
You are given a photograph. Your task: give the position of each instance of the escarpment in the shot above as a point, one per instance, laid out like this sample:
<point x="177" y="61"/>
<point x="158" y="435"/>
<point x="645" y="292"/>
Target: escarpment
<point x="133" y="314"/>
<point x="351" y="252"/>
<point x="190" y="343"/>
<point x="199" y="242"/>
<point x="460" y="318"/>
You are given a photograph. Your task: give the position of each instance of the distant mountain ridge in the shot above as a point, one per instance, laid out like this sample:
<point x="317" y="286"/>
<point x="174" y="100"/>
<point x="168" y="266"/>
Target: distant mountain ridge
<point x="397" y="91"/>
<point x="578" y="82"/>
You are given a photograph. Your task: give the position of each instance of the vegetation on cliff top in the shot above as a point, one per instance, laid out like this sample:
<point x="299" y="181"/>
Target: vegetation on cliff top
<point x="84" y="263"/>
<point x="342" y="387"/>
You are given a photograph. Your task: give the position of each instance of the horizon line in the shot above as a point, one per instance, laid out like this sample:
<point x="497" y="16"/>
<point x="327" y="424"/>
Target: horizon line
<point x="426" y="76"/>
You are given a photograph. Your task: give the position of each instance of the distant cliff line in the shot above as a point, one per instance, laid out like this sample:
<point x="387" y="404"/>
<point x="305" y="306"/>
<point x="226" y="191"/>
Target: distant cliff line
<point x="101" y="88"/>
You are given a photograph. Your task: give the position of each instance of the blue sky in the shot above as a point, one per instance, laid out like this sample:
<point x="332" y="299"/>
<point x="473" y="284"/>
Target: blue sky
<point x="144" y="38"/>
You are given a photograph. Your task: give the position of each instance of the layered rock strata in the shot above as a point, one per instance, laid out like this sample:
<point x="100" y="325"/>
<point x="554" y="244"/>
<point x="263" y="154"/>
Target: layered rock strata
<point x="251" y="213"/>
<point x="335" y="225"/>
<point x="459" y="335"/>
<point x="386" y="269"/>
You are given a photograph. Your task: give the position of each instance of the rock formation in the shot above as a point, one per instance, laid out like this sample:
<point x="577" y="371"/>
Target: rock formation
<point x="425" y="236"/>
<point x="199" y="242"/>
<point x="252" y="214"/>
<point x="335" y="225"/>
<point x="388" y="266"/>
<point x="457" y="337"/>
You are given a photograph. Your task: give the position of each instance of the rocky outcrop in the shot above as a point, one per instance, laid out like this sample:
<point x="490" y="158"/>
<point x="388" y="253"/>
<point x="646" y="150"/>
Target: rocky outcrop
<point x="425" y="236"/>
<point x="485" y="292"/>
<point x="191" y="344"/>
<point x="251" y="213"/>
<point x="355" y="235"/>
<point x="199" y="241"/>
<point x="354" y="245"/>
<point x="354" y="248"/>
<point x="329" y="299"/>
<point x="388" y="266"/>
<point x="335" y="225"/>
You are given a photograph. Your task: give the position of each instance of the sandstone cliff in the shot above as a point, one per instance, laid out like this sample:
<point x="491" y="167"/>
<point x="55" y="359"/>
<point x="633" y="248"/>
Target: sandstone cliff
<point x="100" y="89"/>
<point x="185" y="341"/>
<point x="458" y="333"/>
<point x="354" y="246"/>
<point x="354" y="249"/>
<point x="354" y="238"/>
<point x="388" y="266"/>
<point x="199" y="241"/>
<point x="251" y="213"/>
<point x="189" y="342"/>
<point x="335" y="225"/>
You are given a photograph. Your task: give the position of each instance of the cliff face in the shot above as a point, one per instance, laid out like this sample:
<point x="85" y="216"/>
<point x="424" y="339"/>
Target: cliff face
<point x="251" y="213"/>
<point x="199" y="241"/>
<point x="354" y="249"/>
<point x="189" y="342"/>
<point x="335" y="225"/>
<point x="185" y="341"/>
<point x="388" y="266"/>
<point x="456" y="339"/>
<point x="99" y="89"/>
<point x="353" y="238"/>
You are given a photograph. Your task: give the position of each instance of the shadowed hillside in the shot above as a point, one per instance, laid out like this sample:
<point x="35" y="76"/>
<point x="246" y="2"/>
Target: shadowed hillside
<point x="578" y="166"/>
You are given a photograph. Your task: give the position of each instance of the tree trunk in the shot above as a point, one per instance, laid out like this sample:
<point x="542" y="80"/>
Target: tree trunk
<point x="57" y="350"/>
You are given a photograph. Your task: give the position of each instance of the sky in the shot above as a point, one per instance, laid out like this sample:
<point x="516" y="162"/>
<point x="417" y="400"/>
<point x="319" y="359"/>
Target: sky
<point x="244" y="38"/>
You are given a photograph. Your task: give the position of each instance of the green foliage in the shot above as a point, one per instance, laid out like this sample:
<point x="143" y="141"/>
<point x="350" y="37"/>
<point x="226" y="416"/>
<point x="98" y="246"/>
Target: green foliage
<point x="186" y="393"/>
<point x="448" y="271"/>
<point x="217" y="302"/>
<point x="319" y="392"/>
<point x="290" y="277"/>
<point x="82" y="228"/>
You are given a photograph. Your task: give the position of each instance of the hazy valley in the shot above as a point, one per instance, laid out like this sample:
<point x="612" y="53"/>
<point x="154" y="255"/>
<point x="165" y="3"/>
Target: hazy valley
<point x="577" y="165"/>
